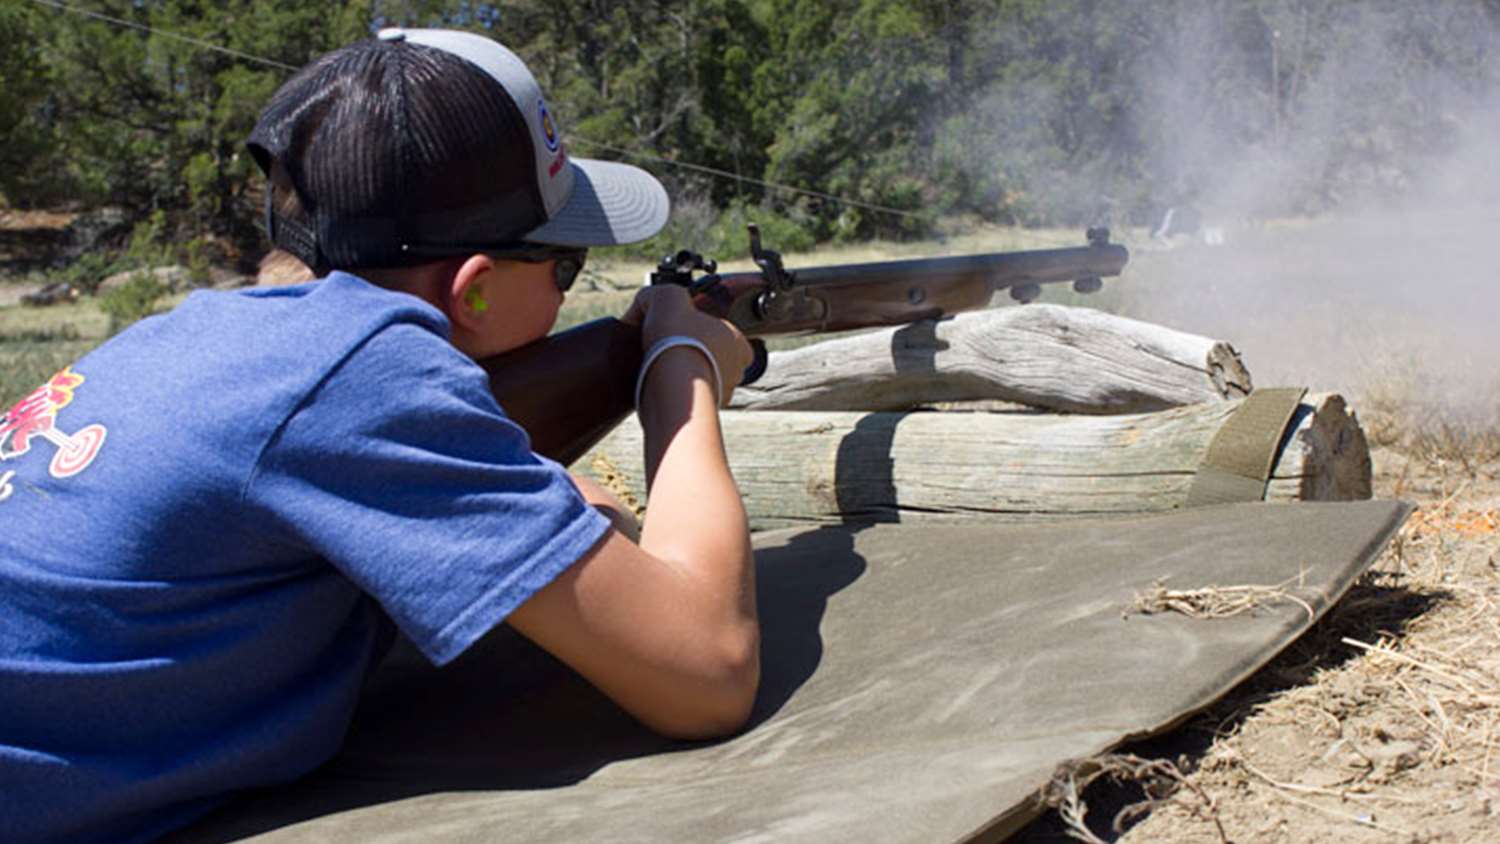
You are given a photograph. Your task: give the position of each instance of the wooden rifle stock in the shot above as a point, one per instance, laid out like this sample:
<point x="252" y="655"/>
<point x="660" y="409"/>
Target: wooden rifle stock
<point x="571" y="388"/>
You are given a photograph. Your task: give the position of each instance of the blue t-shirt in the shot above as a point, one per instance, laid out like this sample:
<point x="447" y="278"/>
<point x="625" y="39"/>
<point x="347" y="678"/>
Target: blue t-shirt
<point x="209" y="523"/>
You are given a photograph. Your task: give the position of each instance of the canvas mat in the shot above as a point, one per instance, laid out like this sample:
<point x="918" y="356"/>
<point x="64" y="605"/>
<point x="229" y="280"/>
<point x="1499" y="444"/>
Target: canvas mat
<point x="921" y="683"/>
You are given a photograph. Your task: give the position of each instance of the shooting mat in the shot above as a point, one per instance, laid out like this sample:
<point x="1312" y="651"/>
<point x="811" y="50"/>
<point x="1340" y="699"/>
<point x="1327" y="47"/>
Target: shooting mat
<point x="921" y="683"/>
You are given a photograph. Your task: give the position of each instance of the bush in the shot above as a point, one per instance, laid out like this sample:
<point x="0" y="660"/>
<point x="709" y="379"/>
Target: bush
<point x="779" y="230"/>
<point x="131" y="301"/>
<point x="145" y="249"/>
<point x="196" y="255"/>
<point x="89" y="269"/>
<point x="147" y="246"/>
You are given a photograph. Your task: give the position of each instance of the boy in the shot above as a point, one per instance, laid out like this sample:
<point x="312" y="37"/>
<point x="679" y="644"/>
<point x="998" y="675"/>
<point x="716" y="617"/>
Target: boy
<point x="217" y="520"/>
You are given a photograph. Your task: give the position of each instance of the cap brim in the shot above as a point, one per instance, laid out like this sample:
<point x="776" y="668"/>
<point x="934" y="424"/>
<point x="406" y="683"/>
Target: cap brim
<point x="611" y="203"/>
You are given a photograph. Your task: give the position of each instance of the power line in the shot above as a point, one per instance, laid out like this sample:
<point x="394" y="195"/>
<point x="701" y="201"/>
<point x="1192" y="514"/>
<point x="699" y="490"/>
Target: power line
<point x="639" y="156"/>
<point x="198" y="42"/>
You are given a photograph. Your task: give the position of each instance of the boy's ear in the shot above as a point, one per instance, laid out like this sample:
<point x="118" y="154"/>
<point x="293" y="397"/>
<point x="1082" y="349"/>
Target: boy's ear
<point x="467" y="296"/>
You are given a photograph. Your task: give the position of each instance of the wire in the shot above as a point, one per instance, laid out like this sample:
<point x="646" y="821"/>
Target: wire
<point x="207" y="45"/>
<point x="639" y="156"/>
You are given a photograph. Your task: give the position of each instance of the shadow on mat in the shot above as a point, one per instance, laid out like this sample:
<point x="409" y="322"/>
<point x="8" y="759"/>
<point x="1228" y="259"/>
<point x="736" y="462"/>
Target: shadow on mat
<point x="508" y="716"/>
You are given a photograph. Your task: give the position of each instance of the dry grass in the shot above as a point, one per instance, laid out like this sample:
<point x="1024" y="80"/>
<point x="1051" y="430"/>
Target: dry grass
<point x="1215" y="601"/>
<point x="1162" y="782"/>
<point x="1381" y="724"/>
<point x="1428" y="432"/>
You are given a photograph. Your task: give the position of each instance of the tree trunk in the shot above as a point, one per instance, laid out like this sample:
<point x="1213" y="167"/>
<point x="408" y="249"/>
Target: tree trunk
<point x="800" y="467"/>
<point x="1073" y="360"/>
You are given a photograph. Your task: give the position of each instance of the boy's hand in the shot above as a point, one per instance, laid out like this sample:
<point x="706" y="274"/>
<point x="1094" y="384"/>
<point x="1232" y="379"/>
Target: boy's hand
<point x="667" y="626"/>
<point x="664" y="310"/>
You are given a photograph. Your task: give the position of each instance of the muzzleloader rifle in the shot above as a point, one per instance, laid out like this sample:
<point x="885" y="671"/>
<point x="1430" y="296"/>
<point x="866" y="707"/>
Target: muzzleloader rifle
<point x="569" y="389"/>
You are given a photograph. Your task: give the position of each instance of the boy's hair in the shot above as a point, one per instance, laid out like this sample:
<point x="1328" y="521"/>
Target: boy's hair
<point x="422" y="144"/>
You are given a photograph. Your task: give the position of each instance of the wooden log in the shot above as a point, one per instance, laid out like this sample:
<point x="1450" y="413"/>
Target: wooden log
<point x="1331" y="457"/>
<point x="1074" y="360"/>
<point x="801" y="467"/>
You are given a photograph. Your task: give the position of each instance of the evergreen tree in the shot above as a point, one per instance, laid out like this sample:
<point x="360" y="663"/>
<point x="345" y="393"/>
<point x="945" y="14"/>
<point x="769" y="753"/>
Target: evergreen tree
<point x="1028" y="111"/>
<point x="150" y="117"/>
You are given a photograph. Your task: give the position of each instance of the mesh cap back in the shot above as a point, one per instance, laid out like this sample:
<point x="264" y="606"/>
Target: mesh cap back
<point x="423" y="143"/>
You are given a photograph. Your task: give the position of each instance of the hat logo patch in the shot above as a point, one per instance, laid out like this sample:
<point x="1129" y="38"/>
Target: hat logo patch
<point x="549" y="130"/>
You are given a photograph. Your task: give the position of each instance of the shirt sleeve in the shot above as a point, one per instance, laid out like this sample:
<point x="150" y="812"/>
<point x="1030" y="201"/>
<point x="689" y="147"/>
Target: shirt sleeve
<point x="402" y="471"/>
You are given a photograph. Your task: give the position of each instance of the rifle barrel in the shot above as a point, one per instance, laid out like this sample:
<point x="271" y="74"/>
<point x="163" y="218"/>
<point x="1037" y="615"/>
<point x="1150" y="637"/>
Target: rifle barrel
<point x="1000" y="269"/>
<point x="848" y="296"/>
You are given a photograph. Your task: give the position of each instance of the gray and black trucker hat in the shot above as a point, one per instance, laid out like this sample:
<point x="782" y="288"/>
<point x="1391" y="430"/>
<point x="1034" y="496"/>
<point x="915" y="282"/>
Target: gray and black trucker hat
<point x="422" y="143"/>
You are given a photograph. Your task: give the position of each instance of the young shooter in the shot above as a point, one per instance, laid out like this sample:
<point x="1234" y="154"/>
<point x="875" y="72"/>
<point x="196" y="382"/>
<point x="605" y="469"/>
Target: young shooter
<point x="215" y="522"/>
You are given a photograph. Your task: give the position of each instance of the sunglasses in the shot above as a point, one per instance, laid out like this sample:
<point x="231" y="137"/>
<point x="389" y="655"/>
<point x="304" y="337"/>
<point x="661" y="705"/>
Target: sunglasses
<point x="569" y="259"/>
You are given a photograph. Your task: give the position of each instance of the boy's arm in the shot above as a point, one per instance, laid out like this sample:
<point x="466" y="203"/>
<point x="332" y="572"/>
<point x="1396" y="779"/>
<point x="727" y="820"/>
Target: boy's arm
<point x="668" y="627"/>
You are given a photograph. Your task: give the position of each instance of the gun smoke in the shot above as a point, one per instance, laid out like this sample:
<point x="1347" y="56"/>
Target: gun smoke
<point x="1347" y="247"/>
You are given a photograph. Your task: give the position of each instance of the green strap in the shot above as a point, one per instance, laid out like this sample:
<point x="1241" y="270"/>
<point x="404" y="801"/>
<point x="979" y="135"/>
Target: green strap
<point x="1242" y="454"/>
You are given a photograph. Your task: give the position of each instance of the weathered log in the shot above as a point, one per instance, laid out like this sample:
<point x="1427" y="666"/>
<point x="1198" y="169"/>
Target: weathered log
<point x="799" y="467"/>
<point x="1074" y="360"/>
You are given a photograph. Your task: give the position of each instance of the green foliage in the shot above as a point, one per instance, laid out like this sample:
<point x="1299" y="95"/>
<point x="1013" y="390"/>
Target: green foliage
<point x="131" y="301"/>
<point x="197" y="257"/>
<point x="1037" y="112"/>
<point x="854" y="104"/>
<point x="142" y="119"/>
<point x="89" y="269"/>
<point x="30" y="162"/>
<point x="148" y="243"/>
<point x="782" y="231"/>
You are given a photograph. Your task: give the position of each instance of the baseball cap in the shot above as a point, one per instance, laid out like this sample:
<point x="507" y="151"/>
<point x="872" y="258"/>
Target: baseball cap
<point x="422" y="143"/>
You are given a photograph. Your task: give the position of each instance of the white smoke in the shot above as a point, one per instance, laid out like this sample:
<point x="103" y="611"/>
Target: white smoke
<point x="1357" y="232"/>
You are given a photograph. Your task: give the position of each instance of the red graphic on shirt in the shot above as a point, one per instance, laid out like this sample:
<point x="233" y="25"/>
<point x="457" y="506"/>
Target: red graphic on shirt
<point x="36" y="416"/>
